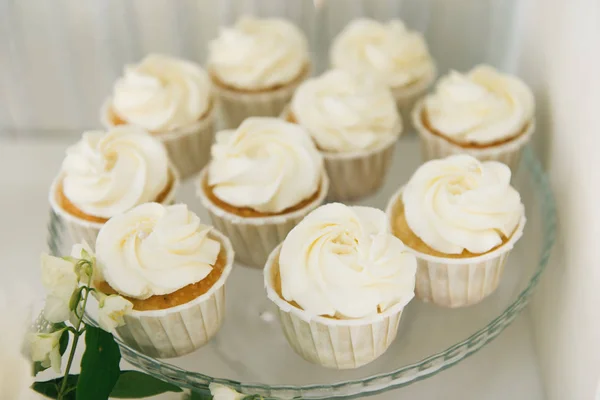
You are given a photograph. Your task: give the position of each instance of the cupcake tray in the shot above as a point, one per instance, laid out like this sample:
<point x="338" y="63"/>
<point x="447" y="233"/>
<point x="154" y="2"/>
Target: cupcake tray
<point x="251" y="355"/>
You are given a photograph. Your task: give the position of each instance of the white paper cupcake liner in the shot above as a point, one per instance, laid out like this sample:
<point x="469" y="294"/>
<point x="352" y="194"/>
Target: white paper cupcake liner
<point x="79" y="229"/>
<point x="252" y="238"/>
<point x="354" y="175"/>
<point x="434" y="146"/>
<point x="333" y="343"/>
<point x="188" y="147"/>
<point x="177" y="331"/>
<point x="358" y="174"/>
<point x="236" y="106"/>
<point x="407" y="97"/>
<point x="458" y="282"/>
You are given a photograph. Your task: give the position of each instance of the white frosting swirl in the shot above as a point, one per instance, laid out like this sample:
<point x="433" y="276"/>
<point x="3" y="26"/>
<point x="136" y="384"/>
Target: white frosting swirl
<point x="107" y="173"/>
<point x="481" y="107"/>
<point x="258" y="54"/>
<point x="389" y="51"/>
<point x="459" y="203"/>
<point x="162" y="93"/>
<point x="267" y="164"/>
<point x="344" y="112"/>
<point x="343" y="261"/>
<point x="155" y="250"/>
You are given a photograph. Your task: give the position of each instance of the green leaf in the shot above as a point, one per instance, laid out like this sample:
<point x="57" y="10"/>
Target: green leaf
<point x="50" y="388"/>
<point x="37" y="368"/>
<point x="64" y="343"/>
<point x="75" y="299"/>
<point x="137" y="385"/>
<point x="99" y="365"/>
<point x="200" y="395"/>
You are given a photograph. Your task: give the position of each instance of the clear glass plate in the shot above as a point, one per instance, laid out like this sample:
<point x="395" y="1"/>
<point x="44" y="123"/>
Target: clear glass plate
<point x="251" y="355"/>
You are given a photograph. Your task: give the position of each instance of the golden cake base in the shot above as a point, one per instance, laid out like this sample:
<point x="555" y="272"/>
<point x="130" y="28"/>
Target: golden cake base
<point x="470" y="145"/>
<point x="179" y="297"/>
<point x="435" y="145"/>
<point x="401" y="230"/>
<point x="83" y="227"/>
<point x="304" y="72"/>
<point x="248" y="212"/>
<point x="72" y="209"/>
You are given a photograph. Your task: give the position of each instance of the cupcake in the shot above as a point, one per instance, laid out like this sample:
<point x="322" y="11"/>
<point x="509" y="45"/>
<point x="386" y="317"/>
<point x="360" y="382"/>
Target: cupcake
<point x="340" y="281"/>
<point x="484" y="113"/>
<point x="108" y="173"/>
<point x="354" y="123"/>
<point x="173" y="269"/>
<point x="461" y="218"/>
<point x="263" y="179"/>
<point x="171" y="99"/>
<point x="255" y="66"/>
<point x="390" y="52"/>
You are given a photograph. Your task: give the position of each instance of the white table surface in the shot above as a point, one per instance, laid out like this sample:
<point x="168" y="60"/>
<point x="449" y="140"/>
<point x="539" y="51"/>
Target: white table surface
<point x="505" y="369"/>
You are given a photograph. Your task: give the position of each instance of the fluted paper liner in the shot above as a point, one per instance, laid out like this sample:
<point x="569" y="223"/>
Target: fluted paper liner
<point x="80" y="229"/>
<point x="458" y="282"/>
<point x="434" y="146"/>
<point x="357" y="174"/>
<point x="407" y="97"/>
<point x="333" y="343"/>
<point x="253" y="238"/>
<point x="188" y="146"/>
<point x="236" y="106"/>
<point x="179" y="330"/>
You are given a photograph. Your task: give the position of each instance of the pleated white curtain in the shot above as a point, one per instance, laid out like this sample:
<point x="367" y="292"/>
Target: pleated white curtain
<point x="59" y="58"/>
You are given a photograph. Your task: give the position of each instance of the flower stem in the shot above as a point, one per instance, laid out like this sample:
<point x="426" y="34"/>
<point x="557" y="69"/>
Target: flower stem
<point x="78" y="332"/>
<point x="63" y="387"/>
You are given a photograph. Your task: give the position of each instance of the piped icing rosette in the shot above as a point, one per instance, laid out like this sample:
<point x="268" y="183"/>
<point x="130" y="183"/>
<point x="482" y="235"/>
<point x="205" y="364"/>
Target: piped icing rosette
<point x="267" y="165"/>
<point x="257" y="54"/>
<point x="482" y="107"/>
<point x="387" y="51"/>
<point x="155" y="250"/>
<point x="108" y="173"/>
<point x="459" y="203"/>
<point x="344" y="262"/>
<point x="162" y="93"/>
<point x="344" y="112"/>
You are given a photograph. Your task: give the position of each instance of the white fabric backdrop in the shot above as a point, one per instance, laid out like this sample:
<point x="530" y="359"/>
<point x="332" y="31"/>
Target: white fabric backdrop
<point x="59" y="58"/>
<point x="561" y="59"/>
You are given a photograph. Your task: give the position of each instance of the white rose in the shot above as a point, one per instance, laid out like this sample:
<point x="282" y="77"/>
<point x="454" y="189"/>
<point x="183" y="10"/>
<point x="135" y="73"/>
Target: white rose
<point x="15" y="369"/>
<point x="60" y="280"/>
<point x="45" y="348"/>
<point x="222" y="392"/>
<point x="111" y="312"/>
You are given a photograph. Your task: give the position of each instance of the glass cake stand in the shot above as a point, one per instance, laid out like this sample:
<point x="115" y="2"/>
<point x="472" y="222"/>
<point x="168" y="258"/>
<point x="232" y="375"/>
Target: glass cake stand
<point x="250" y="353"/>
